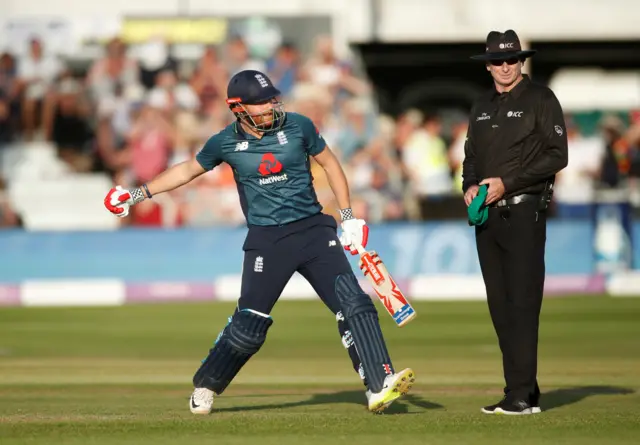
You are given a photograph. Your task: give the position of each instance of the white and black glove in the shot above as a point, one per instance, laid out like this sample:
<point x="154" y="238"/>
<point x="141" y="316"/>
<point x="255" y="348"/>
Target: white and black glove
<point x="355" y="232"/>
<point x="119" y="200"/>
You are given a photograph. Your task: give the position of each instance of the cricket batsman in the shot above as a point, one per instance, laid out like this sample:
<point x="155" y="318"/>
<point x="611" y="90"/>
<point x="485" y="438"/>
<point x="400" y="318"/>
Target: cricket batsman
<point x="269" y="150"/>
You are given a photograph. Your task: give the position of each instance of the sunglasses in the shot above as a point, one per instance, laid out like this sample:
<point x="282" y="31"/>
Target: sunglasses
<point x="512" y="61"/>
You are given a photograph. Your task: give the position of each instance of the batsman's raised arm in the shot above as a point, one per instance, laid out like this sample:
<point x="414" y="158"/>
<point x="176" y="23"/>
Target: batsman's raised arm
<point x="118" y="200"/>
<point x="174" y="177"/>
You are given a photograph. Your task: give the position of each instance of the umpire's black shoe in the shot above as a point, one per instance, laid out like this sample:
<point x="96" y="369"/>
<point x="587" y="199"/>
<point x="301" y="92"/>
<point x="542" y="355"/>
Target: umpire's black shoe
<point x="516" y="408"/>
<point x="491" y="409"/>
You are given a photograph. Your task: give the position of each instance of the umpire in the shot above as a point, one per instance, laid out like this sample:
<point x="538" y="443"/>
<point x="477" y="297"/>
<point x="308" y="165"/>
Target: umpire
<point x="516" y="144"/>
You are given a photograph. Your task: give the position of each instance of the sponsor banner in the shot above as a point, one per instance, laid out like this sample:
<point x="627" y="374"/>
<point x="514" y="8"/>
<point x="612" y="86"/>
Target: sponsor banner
<point x="169" y="291"/>
<point x="204" y="255"/>
<point x="72" y="293"/>
<point x="9" y="295"/>
<point x="574" y="284"/>
<point x="227" y="288"/>
<point x="447" y="287"/>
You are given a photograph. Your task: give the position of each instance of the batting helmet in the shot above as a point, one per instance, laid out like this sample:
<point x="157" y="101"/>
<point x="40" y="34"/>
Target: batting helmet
<point x="252" y="87"/>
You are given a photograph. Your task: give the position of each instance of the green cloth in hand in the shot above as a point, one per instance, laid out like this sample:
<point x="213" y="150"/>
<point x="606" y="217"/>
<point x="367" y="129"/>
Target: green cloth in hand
<point x="477" y="211"/>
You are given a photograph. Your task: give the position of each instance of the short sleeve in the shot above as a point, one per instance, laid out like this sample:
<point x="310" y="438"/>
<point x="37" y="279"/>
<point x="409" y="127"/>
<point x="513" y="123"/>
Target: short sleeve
<point x="211" y="153"/>
<point x="314" y="141"/>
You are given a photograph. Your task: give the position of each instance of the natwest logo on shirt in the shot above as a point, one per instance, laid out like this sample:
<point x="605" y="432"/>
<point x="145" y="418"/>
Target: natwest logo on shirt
<point x="269" y="165"/>
<point x="273" y="179"/>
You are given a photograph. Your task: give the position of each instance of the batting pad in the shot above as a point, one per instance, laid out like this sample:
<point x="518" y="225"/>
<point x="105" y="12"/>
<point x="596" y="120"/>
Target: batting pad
<point x="360" y="312"/>
<point x="240" y="340"/>
<point x="350" y="346"/>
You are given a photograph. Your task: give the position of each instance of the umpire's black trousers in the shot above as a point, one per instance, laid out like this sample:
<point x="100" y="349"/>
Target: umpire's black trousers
<point x="511" y="246"/>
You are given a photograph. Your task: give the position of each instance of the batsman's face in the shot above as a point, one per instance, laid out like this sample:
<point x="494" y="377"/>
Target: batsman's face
<point x="505" y="72"/>
<point x="262" y="114"/>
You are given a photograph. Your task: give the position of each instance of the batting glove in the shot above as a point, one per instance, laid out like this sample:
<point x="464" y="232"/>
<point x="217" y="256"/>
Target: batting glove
<point x="354" y="232"/>
<point x="119" y="200"/>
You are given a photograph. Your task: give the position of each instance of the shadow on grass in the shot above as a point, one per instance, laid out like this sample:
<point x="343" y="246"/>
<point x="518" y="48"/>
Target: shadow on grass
<point x="568" y="396"/>
<point x="354" y="397"/>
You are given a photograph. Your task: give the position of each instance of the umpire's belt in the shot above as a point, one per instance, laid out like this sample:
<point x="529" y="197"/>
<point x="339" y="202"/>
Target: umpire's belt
<point x="516" y="200"/>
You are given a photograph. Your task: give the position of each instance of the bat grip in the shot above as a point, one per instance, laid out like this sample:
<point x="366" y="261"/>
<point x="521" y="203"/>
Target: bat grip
<point x="359" y="248"/>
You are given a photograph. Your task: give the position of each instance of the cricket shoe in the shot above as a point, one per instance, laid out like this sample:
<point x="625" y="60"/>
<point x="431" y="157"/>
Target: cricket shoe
<point x="395" y="386"/>
<point x="516" y="408"/>
<point x="201" y="401"/>
<point x="491" y="409"/>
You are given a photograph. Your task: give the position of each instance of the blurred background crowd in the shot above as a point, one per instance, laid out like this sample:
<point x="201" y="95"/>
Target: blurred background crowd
<point x="131" y="114"/>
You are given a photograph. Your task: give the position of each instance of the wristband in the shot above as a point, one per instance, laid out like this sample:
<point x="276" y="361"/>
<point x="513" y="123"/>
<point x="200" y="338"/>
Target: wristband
<point x="146" y="189"/>
<point x="136" y="195"/>
<point x="346" y="214"/>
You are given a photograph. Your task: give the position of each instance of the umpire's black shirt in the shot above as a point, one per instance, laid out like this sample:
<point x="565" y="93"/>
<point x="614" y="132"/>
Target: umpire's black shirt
<point x="519" y="136"/>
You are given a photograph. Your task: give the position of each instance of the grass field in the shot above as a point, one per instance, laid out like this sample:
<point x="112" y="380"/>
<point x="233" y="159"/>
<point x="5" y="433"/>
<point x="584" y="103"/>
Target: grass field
<point x="121" y="375"/>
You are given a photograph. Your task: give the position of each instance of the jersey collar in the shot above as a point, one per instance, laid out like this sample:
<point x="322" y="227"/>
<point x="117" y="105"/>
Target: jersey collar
<point x="241" y="134"/>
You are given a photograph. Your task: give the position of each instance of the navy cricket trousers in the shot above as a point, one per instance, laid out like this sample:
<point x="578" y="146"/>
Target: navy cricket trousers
<point x="310" y="247"/>
<point x="273" y="254"/>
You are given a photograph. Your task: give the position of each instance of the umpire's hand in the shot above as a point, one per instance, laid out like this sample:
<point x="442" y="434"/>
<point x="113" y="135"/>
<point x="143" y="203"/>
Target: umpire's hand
<point x="495" y="189"/>
<point x="470" y="194"/>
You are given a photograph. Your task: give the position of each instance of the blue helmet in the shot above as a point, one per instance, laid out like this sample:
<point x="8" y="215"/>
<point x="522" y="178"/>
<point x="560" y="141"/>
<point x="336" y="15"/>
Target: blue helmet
<point x="252" y="87"/>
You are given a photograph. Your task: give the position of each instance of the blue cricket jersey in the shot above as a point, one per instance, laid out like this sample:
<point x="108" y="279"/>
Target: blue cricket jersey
<point x="273" y="174"/>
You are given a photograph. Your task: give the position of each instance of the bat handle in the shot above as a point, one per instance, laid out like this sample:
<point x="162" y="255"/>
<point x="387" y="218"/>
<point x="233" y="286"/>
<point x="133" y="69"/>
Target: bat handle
<point x="359" y="248"/>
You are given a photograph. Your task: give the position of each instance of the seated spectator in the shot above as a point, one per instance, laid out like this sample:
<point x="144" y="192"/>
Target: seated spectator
<point x="155" y="57"/>
<point x="169" y="94"/>
<point x="114" y="70"/>
<point x="9" y="89"/>
<point x="150" y="142"/>
<point x="210" y="78"/>
<point x="8" y="81"/>
<point x="37" y="72"/>
<point x="67" y="118"/>
<point x="6" y="132"/>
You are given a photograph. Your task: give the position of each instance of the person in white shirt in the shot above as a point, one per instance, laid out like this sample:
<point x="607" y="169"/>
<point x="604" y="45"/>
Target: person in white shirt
<point x="575" y="185"/>
<point x="37" y="72"/>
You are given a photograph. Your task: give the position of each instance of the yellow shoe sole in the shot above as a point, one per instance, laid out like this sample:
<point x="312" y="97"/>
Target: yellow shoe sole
<point x="400" y="387"/>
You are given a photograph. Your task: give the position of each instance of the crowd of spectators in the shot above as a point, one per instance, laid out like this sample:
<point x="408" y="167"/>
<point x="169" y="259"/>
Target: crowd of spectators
<point x="132" y="116"/>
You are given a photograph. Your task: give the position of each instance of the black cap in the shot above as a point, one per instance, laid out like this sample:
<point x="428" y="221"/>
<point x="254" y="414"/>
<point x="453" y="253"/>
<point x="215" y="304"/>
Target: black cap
<point x="503" y="46"/>
<point x="250" y="87"/>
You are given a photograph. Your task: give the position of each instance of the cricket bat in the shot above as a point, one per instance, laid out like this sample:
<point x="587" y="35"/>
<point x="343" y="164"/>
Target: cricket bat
<point x="385" y="287"/>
